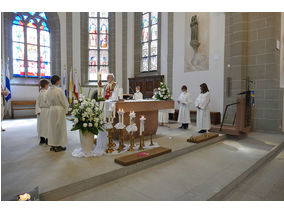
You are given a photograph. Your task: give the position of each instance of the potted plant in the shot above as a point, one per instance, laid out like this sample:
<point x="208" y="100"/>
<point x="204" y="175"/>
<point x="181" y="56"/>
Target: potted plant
<point x="87" y="117"/>
<point x="164" y="92"/>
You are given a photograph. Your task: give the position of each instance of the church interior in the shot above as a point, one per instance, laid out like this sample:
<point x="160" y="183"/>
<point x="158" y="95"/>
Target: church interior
<point x="182" y="106"/>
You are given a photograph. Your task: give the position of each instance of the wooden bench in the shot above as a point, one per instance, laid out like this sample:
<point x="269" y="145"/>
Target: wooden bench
<point x="215" y="116"/>
<point x="22" y="105"/>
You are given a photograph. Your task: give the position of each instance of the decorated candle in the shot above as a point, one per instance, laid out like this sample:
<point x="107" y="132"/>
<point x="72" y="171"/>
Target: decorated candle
<point x="122" y="116"/>
<point x="142" y="119"/>
<point x="131" y="116"/>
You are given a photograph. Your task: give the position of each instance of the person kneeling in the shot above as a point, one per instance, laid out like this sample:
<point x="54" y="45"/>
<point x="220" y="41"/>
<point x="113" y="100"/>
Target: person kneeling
<point x="58" y="108"/>
<point x="203" y="114"/>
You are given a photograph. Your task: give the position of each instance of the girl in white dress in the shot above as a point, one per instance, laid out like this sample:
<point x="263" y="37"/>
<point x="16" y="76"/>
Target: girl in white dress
<point x="203" y="114"/>
<point x="184" y="101"/>
<point x="58" y="108"/>
<point x="42" y="111"/>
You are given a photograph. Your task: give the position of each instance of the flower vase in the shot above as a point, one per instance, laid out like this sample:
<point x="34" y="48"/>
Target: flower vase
<point x="87" y="141"/>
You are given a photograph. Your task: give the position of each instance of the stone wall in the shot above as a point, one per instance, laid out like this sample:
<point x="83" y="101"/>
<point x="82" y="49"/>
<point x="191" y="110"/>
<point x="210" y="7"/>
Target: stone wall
<point x="250" y="52"/>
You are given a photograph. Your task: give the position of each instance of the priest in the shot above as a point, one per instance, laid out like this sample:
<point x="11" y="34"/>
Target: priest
<point x="109" y="90"/>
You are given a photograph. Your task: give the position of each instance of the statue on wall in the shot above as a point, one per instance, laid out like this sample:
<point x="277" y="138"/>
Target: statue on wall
<point x="194" y="43"/>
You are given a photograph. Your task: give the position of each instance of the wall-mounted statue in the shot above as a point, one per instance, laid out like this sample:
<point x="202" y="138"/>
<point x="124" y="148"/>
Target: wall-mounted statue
<point x="194" y="43"/>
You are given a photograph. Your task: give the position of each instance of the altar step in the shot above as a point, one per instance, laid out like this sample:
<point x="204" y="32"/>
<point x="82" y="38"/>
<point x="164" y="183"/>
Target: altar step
<point x="227" y="130"/>
<point x="207" y="174"/>
<point x="98" y="180"/>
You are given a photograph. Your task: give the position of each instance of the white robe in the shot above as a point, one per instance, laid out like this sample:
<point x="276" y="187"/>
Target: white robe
<point x="42" y="119"/>
<point x="58" y="108"/>
<point x="138" y="96"/>
<point x="203" y="114"/>
<point x="184" y="114"/>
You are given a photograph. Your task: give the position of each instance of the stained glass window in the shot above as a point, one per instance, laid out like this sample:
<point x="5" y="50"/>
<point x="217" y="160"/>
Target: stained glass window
<point x="149" y="42"/>
<point x="98" y="45"/>
<point x="31" y="45"/>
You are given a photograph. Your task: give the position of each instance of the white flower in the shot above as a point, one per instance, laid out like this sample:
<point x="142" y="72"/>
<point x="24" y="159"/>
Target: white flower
<point x="161" y="95"/>
<point x="83" y="119"/>
<point x="90" y="124"/>
<point x="75" y="102"/>
<point x="76" y="120"/>
<point x="85" y="124"/>
<point x="81" y="107"/>
<point x="70" y="109"/>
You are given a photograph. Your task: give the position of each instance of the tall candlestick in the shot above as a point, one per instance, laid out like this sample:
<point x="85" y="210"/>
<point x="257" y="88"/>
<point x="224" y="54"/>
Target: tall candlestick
<point x="99" y="78"/>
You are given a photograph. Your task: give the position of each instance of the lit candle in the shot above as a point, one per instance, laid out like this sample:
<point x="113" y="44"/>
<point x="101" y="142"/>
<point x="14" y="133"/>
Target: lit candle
<point x="99" y="77"/>
<point x="142" y="119"/>
<point x="24" y="197"/>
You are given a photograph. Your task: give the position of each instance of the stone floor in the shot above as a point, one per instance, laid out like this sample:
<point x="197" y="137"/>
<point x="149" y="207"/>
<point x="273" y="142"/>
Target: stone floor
<point x="25" y="164"/>
<point x="267" y="183"/>
<point x="194" y="176"/>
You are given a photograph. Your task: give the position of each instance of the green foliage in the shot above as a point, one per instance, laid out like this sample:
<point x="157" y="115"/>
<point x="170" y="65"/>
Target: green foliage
<point x="164" y="92"/>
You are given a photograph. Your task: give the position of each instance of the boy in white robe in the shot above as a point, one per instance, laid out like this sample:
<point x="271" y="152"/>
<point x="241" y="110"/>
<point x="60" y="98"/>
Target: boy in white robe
<point x="42" y="110"/>
<point x="138" y="95"/>
<point x="203" y="114"/>
<point x="58" y="108"/>
<point x="184" y="102"/>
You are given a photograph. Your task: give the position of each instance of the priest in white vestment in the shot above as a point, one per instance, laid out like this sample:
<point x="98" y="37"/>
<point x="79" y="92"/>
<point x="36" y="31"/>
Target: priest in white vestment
<point x="110" y="90"/>
<point x="203" y="114"/>
<point x="42" y="111"/>
<point x="58" y="108"/>
<point x="138" y="95"/>
<point x="184" y="102"/>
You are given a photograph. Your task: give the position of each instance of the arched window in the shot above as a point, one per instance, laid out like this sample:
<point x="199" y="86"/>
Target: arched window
<point x="98" y="47"/>
<point x="149" y="42"/>
<point x="31" y="45"/>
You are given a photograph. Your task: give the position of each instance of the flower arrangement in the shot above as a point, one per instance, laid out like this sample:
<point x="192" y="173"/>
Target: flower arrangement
<point x="164" y="92"/>
<point x="87" y="115"/>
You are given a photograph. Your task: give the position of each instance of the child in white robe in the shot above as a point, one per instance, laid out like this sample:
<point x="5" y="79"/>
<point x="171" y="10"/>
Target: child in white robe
<point x="42" y="111"/>
<point x="203" y="114"/>
<point x="58" y="108"/>
<point x="138" y="95"/>
<point x="184" y="101"/>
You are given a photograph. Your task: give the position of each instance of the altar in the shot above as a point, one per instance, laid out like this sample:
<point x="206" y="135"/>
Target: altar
<point x="148" y="108"/>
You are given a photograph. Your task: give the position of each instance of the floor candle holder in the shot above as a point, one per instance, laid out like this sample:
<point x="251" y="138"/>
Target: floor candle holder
<point x="151" y="140"/>
<point x="121" y="145"/>
<point x="110" y="141"/>
<point x="141" y="146"/>
<point x="132" y="145"/>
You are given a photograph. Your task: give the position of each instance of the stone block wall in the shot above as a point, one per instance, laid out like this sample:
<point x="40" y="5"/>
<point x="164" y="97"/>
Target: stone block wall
<point x="250" y="50"/>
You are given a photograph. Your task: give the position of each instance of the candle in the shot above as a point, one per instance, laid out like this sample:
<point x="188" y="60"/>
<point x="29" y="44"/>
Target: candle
<point x="99" y="77"/>
<point x="24" y="197"/>
<point x="142" y="119"/>
<point x="122" y="116"/>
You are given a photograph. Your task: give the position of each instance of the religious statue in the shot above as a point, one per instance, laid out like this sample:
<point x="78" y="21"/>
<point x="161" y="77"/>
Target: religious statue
<point x="194" y="43"/>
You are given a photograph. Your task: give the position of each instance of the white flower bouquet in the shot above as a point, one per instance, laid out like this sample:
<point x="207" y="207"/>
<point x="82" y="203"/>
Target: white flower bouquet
<point x="87" y="115"/>
<point x="164" y="92"/>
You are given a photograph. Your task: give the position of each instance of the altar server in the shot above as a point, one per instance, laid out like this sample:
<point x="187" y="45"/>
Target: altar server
<point x="42" y="111"/>
<point x="203" y="113"/>
<point x="184" y="101"/>
<point x="58" y="108"/>
<point x="138" y="95"/>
